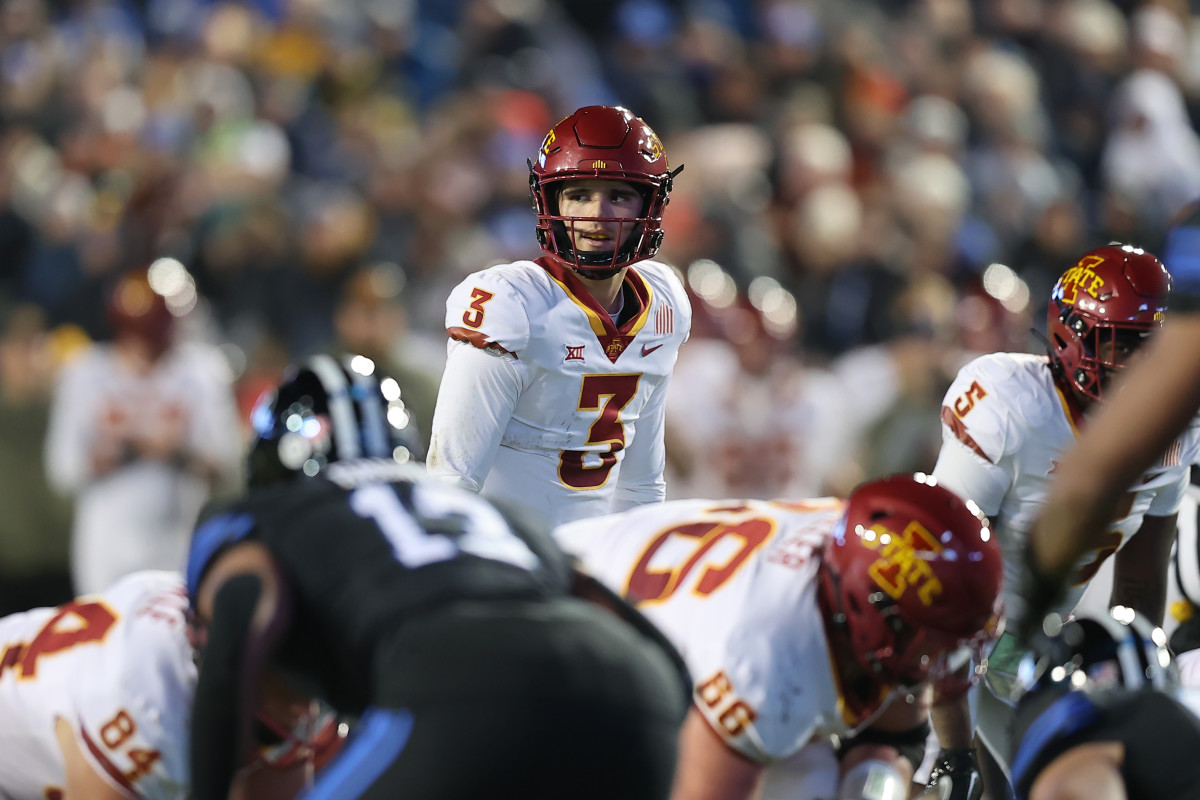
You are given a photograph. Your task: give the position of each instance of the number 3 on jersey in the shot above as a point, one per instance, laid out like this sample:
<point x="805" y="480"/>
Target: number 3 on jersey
<point x="473" y="316"/>
<point x="608" y="394"/>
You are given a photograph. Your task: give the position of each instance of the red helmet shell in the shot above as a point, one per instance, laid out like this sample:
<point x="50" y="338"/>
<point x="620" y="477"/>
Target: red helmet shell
<point x="916" y="573"/>
<point x="1100" y="310"/>
<point x="600" y="142"/>
<point x="136" y="310"/>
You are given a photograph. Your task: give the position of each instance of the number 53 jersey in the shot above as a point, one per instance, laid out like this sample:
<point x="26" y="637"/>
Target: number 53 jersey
<point x="113" y="669"/>
<point x="733" y="585"/>
<point x="567" y="418"/>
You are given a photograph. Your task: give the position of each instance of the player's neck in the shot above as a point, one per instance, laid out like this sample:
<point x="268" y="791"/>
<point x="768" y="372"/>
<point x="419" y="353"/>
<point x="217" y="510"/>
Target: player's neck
<point x="606" y="291"/>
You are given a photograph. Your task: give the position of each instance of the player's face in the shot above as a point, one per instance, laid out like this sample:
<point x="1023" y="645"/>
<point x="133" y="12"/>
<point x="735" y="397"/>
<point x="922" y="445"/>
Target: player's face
<point x="608" y="199"/>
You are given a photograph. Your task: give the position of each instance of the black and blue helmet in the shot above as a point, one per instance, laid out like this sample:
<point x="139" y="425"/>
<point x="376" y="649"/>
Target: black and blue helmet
<point x="329" y="409"/>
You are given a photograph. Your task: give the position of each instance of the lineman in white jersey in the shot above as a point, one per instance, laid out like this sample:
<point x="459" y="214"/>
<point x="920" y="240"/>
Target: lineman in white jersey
<point x="96" y="702"/>
<point x="1008" y="418"/>
<point x="96" y="695"/>
<point x="554" y="391"/>
<point x="803" y="624"/>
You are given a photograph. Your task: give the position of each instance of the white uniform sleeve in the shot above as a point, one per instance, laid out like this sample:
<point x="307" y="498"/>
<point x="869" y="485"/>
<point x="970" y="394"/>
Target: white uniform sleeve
<point x="475" y="402"/>
<point x="68" y="436"/>
<point x="1168" y="499"/>
<point x="488" y="325"/>
<point x="963" y="472"/>
<point x="975" y="438"/>
<point x="489" y="309"/>
<point x="641" y="478"/>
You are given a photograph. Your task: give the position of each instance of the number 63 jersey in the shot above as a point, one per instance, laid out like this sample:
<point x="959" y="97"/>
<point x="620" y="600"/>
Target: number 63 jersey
<point x="567" y="418"/>
<point x="733" y="585"/>
<point x="116" y="670"/>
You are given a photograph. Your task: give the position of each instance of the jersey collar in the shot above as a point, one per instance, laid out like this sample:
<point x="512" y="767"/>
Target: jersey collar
<point x="613" y="338"/>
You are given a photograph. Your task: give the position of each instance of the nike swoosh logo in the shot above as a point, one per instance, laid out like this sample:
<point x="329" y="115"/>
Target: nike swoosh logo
<point x="648" y="350"/>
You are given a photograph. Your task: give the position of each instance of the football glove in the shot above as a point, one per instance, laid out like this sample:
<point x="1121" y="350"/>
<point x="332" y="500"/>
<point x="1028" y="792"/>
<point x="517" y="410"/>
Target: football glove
<point x="955" y="776"/>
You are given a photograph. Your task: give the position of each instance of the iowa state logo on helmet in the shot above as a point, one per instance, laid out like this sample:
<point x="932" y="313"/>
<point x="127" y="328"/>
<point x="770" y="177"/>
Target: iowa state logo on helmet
<point x="1083" y="277"/>
<point x="904" y="561"/>
<point x="653" y="149"/>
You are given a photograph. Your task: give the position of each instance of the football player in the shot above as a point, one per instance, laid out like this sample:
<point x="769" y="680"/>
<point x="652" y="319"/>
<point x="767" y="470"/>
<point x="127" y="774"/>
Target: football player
<point x="553" y="393"/>
<point x="446" y="627"/>
<point x="1009" y="418"/>
<point x="1158" y="401"/>
<point x="804" y="624"/>
<point x="143" y="430"/>
<point x="1101" y="717"/>
<point x="96" y="695"/>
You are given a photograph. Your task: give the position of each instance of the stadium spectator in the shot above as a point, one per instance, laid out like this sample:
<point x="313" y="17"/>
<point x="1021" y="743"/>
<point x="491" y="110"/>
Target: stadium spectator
<point x="142" y="430"/>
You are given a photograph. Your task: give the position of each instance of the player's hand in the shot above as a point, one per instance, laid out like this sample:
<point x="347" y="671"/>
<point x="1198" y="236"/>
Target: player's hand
<point x="955" y="776"/>
<point x="1042" y="592"/>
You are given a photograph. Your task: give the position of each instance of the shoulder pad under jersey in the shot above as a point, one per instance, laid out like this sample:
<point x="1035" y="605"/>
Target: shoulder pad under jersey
<point x="489" y="311"/>
<point x="994" y="400"/>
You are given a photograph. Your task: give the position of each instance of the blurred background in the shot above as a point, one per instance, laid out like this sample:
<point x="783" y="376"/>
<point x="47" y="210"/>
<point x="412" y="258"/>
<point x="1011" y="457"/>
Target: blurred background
<point x="874" y="192"/>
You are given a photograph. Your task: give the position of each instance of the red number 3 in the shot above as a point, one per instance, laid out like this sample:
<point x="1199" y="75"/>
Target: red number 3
<point x="616" y="391"/>
<point x="473" y="316"/>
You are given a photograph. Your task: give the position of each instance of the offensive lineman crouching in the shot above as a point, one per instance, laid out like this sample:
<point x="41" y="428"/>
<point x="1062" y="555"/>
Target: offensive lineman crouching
<point x="446" y="629"/>
<point x="804" y="623"/>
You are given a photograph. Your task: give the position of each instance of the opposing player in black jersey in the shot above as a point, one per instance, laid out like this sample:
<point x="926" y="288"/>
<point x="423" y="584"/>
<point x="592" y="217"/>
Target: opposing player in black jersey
<point x="447" y="627"/>
<point x="1102" y="719"/>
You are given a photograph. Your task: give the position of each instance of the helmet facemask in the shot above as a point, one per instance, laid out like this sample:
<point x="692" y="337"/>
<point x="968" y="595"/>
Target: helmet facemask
<point x="638" y="237"/>
<point x="1100" y="312"/>
<point x="1104" y="349"/>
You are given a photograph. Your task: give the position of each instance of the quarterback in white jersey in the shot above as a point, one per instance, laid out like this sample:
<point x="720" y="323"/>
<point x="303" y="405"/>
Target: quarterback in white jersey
<point x="801" y="623"/>
<point x="554" y="391"/>
<point x="105" y="682"/>
<point x="1009" y="418"/>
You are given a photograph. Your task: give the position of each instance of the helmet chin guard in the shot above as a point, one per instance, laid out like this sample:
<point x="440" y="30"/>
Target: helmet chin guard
<point x="601" y="143"/>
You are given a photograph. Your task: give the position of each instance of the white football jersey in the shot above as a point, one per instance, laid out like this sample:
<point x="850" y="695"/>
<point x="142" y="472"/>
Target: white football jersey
<point x="117" y="668"/>
<point x="547" y="403"/>
<point x="733" y="585"/>
<point x="1005" y="428"/>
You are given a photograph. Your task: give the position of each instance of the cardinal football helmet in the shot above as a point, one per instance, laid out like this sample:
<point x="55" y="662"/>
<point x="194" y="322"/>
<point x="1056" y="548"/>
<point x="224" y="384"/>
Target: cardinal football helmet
<point x="605" y="142"/>
<point x="911" y="574"/>
<point x="1101" y="310"/>
<point x="328" y="409"/>
<point x="136" y="310"/>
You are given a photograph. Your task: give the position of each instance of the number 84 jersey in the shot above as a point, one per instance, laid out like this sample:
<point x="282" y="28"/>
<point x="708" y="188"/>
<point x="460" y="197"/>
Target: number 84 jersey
<point x="549" y="403"/>
<point x="115" y="672"/>
<point x="733" y="585"/>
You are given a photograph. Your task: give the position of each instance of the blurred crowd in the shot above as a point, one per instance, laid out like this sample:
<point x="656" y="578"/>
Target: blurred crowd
<point x="873" y="191"/>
